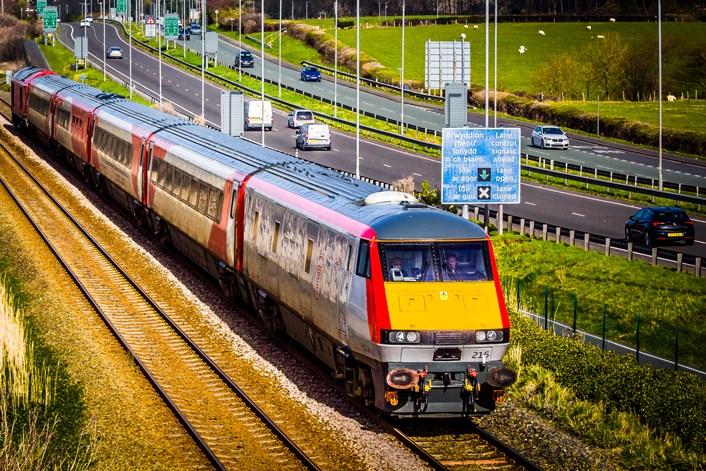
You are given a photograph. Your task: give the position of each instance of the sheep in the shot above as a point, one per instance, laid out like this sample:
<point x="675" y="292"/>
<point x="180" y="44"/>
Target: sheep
<point x="475" y="26"/>
<point x="522" y="49"/>
<point x="465" y="26"/>
<point x="541" y="33"/>
<point x="588" y="27"/>
<point x="671" y="98"/>
<point x="600" y="36"/>
<point x="612" y="20"/>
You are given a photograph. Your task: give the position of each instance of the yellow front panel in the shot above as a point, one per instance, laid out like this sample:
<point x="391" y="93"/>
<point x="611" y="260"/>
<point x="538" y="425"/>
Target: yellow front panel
<point x="443" y="306"/>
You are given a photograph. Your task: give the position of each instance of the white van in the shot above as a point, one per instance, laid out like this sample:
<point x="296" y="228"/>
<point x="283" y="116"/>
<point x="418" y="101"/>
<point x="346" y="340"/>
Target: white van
<point x="314" y="136"/>
<point x="257" y="113"/>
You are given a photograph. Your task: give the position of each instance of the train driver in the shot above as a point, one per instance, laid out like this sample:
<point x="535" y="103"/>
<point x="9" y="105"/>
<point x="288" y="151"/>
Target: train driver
<point x="397" y="265"/>
<point x="452" y="270"/>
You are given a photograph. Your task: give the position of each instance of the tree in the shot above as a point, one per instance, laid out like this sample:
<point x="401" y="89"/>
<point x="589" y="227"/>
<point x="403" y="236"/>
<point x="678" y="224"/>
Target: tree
<point x="559" y="77"/>
<point x="603" y="65"/>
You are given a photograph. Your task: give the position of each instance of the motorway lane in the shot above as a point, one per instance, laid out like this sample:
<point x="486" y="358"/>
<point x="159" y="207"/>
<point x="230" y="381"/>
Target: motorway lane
<point x="588" y="152"/>
<point x="388" y="163"/>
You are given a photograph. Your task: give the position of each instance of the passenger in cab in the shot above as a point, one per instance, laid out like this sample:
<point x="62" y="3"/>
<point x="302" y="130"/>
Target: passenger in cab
<point x="397" y="265"/>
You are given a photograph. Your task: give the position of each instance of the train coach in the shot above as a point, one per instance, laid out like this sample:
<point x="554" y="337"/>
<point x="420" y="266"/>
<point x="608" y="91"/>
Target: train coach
<point x="402" y="301"/>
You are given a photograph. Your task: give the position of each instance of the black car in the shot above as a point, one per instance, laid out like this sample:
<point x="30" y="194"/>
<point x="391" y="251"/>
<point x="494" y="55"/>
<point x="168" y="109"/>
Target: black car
<point x="184" y="33"/>
<point x="244" y="59"/>
<point x="660" y="224"/>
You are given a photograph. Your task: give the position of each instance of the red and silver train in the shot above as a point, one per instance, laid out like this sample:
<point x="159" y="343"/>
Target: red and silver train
<point x="360" y="276"/>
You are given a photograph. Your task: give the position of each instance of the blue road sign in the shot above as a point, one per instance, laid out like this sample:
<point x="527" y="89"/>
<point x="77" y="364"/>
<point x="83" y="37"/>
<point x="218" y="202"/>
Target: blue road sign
<point x="480" y="166"/>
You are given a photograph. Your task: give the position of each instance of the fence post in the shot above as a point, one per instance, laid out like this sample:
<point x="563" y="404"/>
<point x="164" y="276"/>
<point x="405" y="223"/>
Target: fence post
<point x="518" y="292"/>
<point x="572" y="236"/>
<point x="676" y="348"/>
<point x="586" y="239"/>
<point x="605" y="307"/>
<point x="557" y="236"/>
<point x="546" y="307"/>
<point x="607" y="245"/>
<point x="637" y="343"/>
<point x="575" y="313"/>
<point x="654" y="256"/>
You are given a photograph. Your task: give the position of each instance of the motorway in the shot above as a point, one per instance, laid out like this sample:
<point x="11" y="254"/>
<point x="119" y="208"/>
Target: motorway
<point x="596" y="215"/>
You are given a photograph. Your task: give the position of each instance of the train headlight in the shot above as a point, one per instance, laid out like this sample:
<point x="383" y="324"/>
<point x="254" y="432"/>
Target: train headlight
<point x="403" y="336"/>
<point x="489" y="336"/>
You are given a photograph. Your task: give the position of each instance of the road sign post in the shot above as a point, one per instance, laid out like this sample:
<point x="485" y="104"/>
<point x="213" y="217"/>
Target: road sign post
<point x="480" y="166"/>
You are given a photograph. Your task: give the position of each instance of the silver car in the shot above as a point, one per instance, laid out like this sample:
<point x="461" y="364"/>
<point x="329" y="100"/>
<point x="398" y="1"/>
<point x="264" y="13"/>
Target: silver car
<point x="549" y="137"/>
<point x="298" y="117"/>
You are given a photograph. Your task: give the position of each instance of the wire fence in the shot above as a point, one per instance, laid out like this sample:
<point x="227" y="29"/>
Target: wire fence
<point x="651" y="339"/>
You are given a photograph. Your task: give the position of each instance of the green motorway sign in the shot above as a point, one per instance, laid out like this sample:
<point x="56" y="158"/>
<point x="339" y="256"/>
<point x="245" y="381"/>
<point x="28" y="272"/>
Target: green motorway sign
<point x="49" y="21"/>
<point x="171" y="26"/>
<point x="41" y="5"/>
<point x="122" y="7"/>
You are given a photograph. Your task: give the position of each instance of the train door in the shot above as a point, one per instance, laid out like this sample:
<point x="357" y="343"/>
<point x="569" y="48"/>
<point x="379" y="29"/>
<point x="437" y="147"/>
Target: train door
<point x="312" y="268"/>
<point x="144" y="164"/>
<point x="344" y="286"/>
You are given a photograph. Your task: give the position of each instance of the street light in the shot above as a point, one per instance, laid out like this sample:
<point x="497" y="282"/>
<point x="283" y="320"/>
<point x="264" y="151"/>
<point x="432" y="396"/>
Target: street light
<point x="402" y="78"/>
<point x="240" y="38"/>
<point x="217" y="25"/>
<point x="335" y="61"/>
<point x="279" y="63"/>
<point x="306" y="9"/>
<point x="104" y="43"/>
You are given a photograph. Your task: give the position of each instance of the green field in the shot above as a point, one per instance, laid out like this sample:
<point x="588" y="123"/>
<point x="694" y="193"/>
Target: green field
<point x="514" y="70"/>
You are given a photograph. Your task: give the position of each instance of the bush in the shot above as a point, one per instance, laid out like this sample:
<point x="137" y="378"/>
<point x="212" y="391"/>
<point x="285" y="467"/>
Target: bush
<point x="671" y="403"/>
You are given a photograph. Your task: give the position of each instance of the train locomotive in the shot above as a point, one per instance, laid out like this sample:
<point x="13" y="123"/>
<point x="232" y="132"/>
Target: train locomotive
<point x="356" y="274"/>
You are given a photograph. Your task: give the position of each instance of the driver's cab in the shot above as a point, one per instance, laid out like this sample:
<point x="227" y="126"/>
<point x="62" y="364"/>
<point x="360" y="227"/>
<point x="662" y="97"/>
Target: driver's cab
<point x="430" y="261"/>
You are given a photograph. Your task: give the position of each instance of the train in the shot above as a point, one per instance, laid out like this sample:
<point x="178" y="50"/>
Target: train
<point x="308" y="248"/>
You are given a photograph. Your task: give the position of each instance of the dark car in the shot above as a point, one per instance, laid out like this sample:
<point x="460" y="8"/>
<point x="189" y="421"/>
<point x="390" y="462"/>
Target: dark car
<point x="184" y="33"/>
<point x="311" y="74"/>
<point x="660" y="224"/>
<point x="244" y="59"/>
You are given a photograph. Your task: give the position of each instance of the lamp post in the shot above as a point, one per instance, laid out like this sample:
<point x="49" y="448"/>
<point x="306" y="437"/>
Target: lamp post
<point x="217" y="25"/>
<point x="402" y="77"/>
<point x="659" y="33"/>
<point x="262" y="70"/>
<point x="279" y="62"/>
<point x="104" y="43"/>
<point x="357" y="89"/>
<point x="306" y="9"/>
<point x="463" y="65"/>
<point x="240" y="38"/>
<point x="335" y="60"/>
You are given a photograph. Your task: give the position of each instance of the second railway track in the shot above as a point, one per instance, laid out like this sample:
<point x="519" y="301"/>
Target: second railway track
<point x="215" y="413"/>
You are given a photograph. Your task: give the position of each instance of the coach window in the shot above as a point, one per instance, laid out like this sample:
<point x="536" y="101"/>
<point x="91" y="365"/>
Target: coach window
<point x="203" y="198"/>
<point x="169" y="182"/>
<point x="309" y="254"/>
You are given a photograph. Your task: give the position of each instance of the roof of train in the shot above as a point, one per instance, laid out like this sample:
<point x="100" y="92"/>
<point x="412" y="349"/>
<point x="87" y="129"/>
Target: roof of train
<point x="320" y="185"/>
<point x="27" y="72"/>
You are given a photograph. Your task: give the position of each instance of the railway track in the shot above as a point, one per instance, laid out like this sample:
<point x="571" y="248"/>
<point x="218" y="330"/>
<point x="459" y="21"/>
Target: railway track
<point x="229" y="428"/>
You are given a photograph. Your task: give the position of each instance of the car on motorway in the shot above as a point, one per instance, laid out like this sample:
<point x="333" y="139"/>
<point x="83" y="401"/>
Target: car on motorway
<point x="244" y="59"/>
<point x="313" y="136"/>
<point x="296" y="118"/>
<point x="549" y="137"/>
<point x="195" y="28"/>
<point x="311" y="74"/>
<point x="184" y="33"/>
<point x="85" y="23"/>
<point x="114" y="52"/>
<point x="657" y="224"/>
